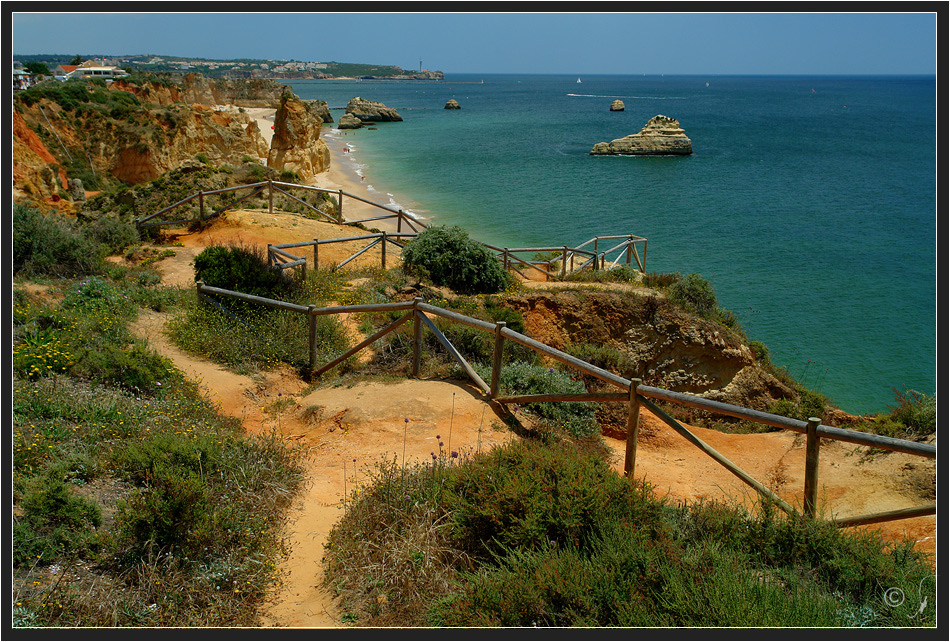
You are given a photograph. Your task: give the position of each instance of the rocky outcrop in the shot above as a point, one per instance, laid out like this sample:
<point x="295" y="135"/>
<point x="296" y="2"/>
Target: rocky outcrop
<point x="217" y="136"/>
<point x="296" y="145"/>
<point x="662" y="136"/>
<point x="617" y="105"/>
<point x="452" y="104"/>
<point x="36" y="173"/>
<point x="349" y="121"/>
<point x="321" y="109"/>
<point x="199" y="89"/>
<point x="662" y="345"/>
<point x="370" y="111"/>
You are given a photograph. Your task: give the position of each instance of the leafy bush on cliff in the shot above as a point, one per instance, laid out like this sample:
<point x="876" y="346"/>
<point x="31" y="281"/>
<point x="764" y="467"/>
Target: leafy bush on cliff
<point x="52" y="245"/>
<point x="448" y="257"/>
<point x="243" y="269"/>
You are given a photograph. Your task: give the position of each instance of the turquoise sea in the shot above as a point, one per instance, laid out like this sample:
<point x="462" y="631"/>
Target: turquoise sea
<point x="809" y="203"/>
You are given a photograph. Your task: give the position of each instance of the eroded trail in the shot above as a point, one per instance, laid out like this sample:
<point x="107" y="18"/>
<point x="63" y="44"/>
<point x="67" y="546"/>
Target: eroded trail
<point x="346" y="429"/>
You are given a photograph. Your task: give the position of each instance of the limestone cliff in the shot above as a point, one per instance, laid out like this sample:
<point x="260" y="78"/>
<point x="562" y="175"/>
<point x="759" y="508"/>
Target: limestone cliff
<point x="661" y="136"/>
<point x="199" y="89"/>
<point x="61" y="136"/>
<point x="296" y="145"/>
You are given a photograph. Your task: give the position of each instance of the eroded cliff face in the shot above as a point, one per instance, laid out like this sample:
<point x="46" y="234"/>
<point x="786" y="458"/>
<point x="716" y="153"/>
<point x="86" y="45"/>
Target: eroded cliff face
<point x="198" y="89"/>
<point x="663" y="345"/>
<point x="172" y="124"/>
<point x="220" y="136"/>
<point x="296" y="145"/>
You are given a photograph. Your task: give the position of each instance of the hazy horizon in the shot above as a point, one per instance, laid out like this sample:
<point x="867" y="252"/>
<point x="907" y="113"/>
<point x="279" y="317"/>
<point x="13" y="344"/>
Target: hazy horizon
<point x="675" y="44"/>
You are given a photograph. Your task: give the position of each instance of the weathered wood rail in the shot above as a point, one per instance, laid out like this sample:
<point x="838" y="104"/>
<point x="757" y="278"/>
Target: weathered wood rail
<point x="272" y="188"/>
<point x="570" y="259"/>
<point x="631" y="392"/>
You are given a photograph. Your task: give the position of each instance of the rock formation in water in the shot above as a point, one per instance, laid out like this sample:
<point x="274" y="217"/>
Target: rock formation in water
<point x="660" y="137"/>
<point x="452" y="104"/>
<point x="370" y="111"/>
<point x="349" y="121"/>
<point x="617" y="105"/>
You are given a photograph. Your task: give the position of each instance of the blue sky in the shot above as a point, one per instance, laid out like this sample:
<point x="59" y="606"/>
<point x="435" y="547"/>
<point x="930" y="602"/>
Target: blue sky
<point x="572" y="43"/>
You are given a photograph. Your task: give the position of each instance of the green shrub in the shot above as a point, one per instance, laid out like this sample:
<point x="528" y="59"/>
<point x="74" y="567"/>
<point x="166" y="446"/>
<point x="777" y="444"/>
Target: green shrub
<point x="243" y="269"/>
<point x="51" y="245"/>
<point x="530" y="496"/>
<point x="448" y="257"/>
<point x="576" y="418"/>
<point x="56" y="522"/>
<point x="694" y="293"/>
<point x="916" y="410"/>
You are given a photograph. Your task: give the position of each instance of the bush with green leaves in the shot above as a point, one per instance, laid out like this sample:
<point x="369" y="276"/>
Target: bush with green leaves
<point x="448" y="257"/>
<point x="576" y="418"/>
<point x="242" y="269"/>
<point x="694" y="293"/>
<point x="56" y="522"/>
<point x="49" y="244"/>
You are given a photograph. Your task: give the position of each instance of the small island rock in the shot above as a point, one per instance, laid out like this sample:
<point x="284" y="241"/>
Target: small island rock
<point x="349" y="121"/>
<point x="368" y="110"/>
<point x="617" y="105"/>
<point x="660" y="137"/>
<point x="452" y="104"/>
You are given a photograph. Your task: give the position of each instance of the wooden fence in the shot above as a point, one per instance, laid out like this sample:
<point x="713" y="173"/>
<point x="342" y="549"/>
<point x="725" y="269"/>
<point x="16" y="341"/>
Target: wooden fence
<point x="632" y="392"/>
<point x="567" y="261"/>
<point x="271" y="188"/>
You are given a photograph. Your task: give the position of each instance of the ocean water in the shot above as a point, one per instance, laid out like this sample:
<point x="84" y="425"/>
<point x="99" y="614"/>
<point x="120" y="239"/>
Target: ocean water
<point x="809" y="203"/>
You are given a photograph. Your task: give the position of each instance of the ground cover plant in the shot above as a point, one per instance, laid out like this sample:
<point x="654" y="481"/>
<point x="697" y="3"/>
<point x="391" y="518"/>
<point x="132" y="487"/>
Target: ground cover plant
<point x="542" y="533"/>
<point x="134" y="502"/>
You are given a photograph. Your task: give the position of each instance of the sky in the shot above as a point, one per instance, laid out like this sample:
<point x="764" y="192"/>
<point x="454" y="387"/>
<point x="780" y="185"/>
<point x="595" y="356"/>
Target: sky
<point x="542" y="43"/>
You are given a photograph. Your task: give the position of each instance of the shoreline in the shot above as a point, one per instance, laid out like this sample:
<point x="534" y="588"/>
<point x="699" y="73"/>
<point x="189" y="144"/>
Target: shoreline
<point x="339" y="176"/>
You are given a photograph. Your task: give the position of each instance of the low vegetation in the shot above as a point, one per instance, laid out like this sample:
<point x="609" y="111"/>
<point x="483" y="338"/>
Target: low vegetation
<point x="134" y="502"/>
<point x="543" y="533"/>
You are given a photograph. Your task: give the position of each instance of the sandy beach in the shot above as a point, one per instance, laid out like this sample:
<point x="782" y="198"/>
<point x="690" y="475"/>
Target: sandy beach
<point x="338" y="177"/>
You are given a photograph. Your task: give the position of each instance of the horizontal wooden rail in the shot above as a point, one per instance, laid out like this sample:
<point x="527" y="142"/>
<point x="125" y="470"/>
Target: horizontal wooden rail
<point x="634" y="393"/>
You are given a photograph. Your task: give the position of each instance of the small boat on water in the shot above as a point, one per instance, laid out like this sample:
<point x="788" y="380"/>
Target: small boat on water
<point x="578" y="81"/>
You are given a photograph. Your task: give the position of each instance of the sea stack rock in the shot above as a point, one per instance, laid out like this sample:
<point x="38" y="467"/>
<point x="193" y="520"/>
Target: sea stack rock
<point x="349" y="121"/>
<point x="368" y="110"/>
<point x="453" y="104"/>
<point x="617" y="105"/>
<point x="662" y="136"/>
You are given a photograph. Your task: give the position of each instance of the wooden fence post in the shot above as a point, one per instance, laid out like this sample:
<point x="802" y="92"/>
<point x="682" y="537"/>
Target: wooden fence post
<point x="399" y="222"/>
<point x="416" y="337"/>
<point x="384" y="250"/>
<point x="506" y="259"/>
<point x="316" y="254"/>
<point x="564" y="262"/>
<point x="201" y="206"/>
<point x="312" y="318"/>
<point x="629" y="243"/>
<point x="497" y="359"/>
<point x="811" y="467"/>
<point x="270" y="197"/>
<point x="339" y="210"/>
<point x="633" y="429"/>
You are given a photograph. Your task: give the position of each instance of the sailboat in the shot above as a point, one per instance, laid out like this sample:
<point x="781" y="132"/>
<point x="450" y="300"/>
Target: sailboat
<point x="578" y="81"/>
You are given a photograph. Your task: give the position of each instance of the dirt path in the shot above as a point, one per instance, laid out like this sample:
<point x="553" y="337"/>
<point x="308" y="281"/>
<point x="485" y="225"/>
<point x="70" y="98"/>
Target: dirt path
<point x="345" y="429"/>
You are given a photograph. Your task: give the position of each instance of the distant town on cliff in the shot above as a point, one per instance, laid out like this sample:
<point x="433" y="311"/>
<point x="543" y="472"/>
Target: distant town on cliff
<point x="240" y="68"/>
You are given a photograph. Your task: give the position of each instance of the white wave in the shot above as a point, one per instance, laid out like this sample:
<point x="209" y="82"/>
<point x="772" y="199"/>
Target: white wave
<point x="629" y="97"/>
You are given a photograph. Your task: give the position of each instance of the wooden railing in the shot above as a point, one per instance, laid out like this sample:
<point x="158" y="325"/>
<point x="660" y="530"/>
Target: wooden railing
<point x="569" y="259"/>
<point x="632" y="392"/>
<point x="277" y="187"/>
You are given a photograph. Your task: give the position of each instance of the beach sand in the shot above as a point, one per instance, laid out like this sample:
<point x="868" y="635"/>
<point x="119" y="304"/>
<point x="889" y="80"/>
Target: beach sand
<point x="337" y="177"/>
